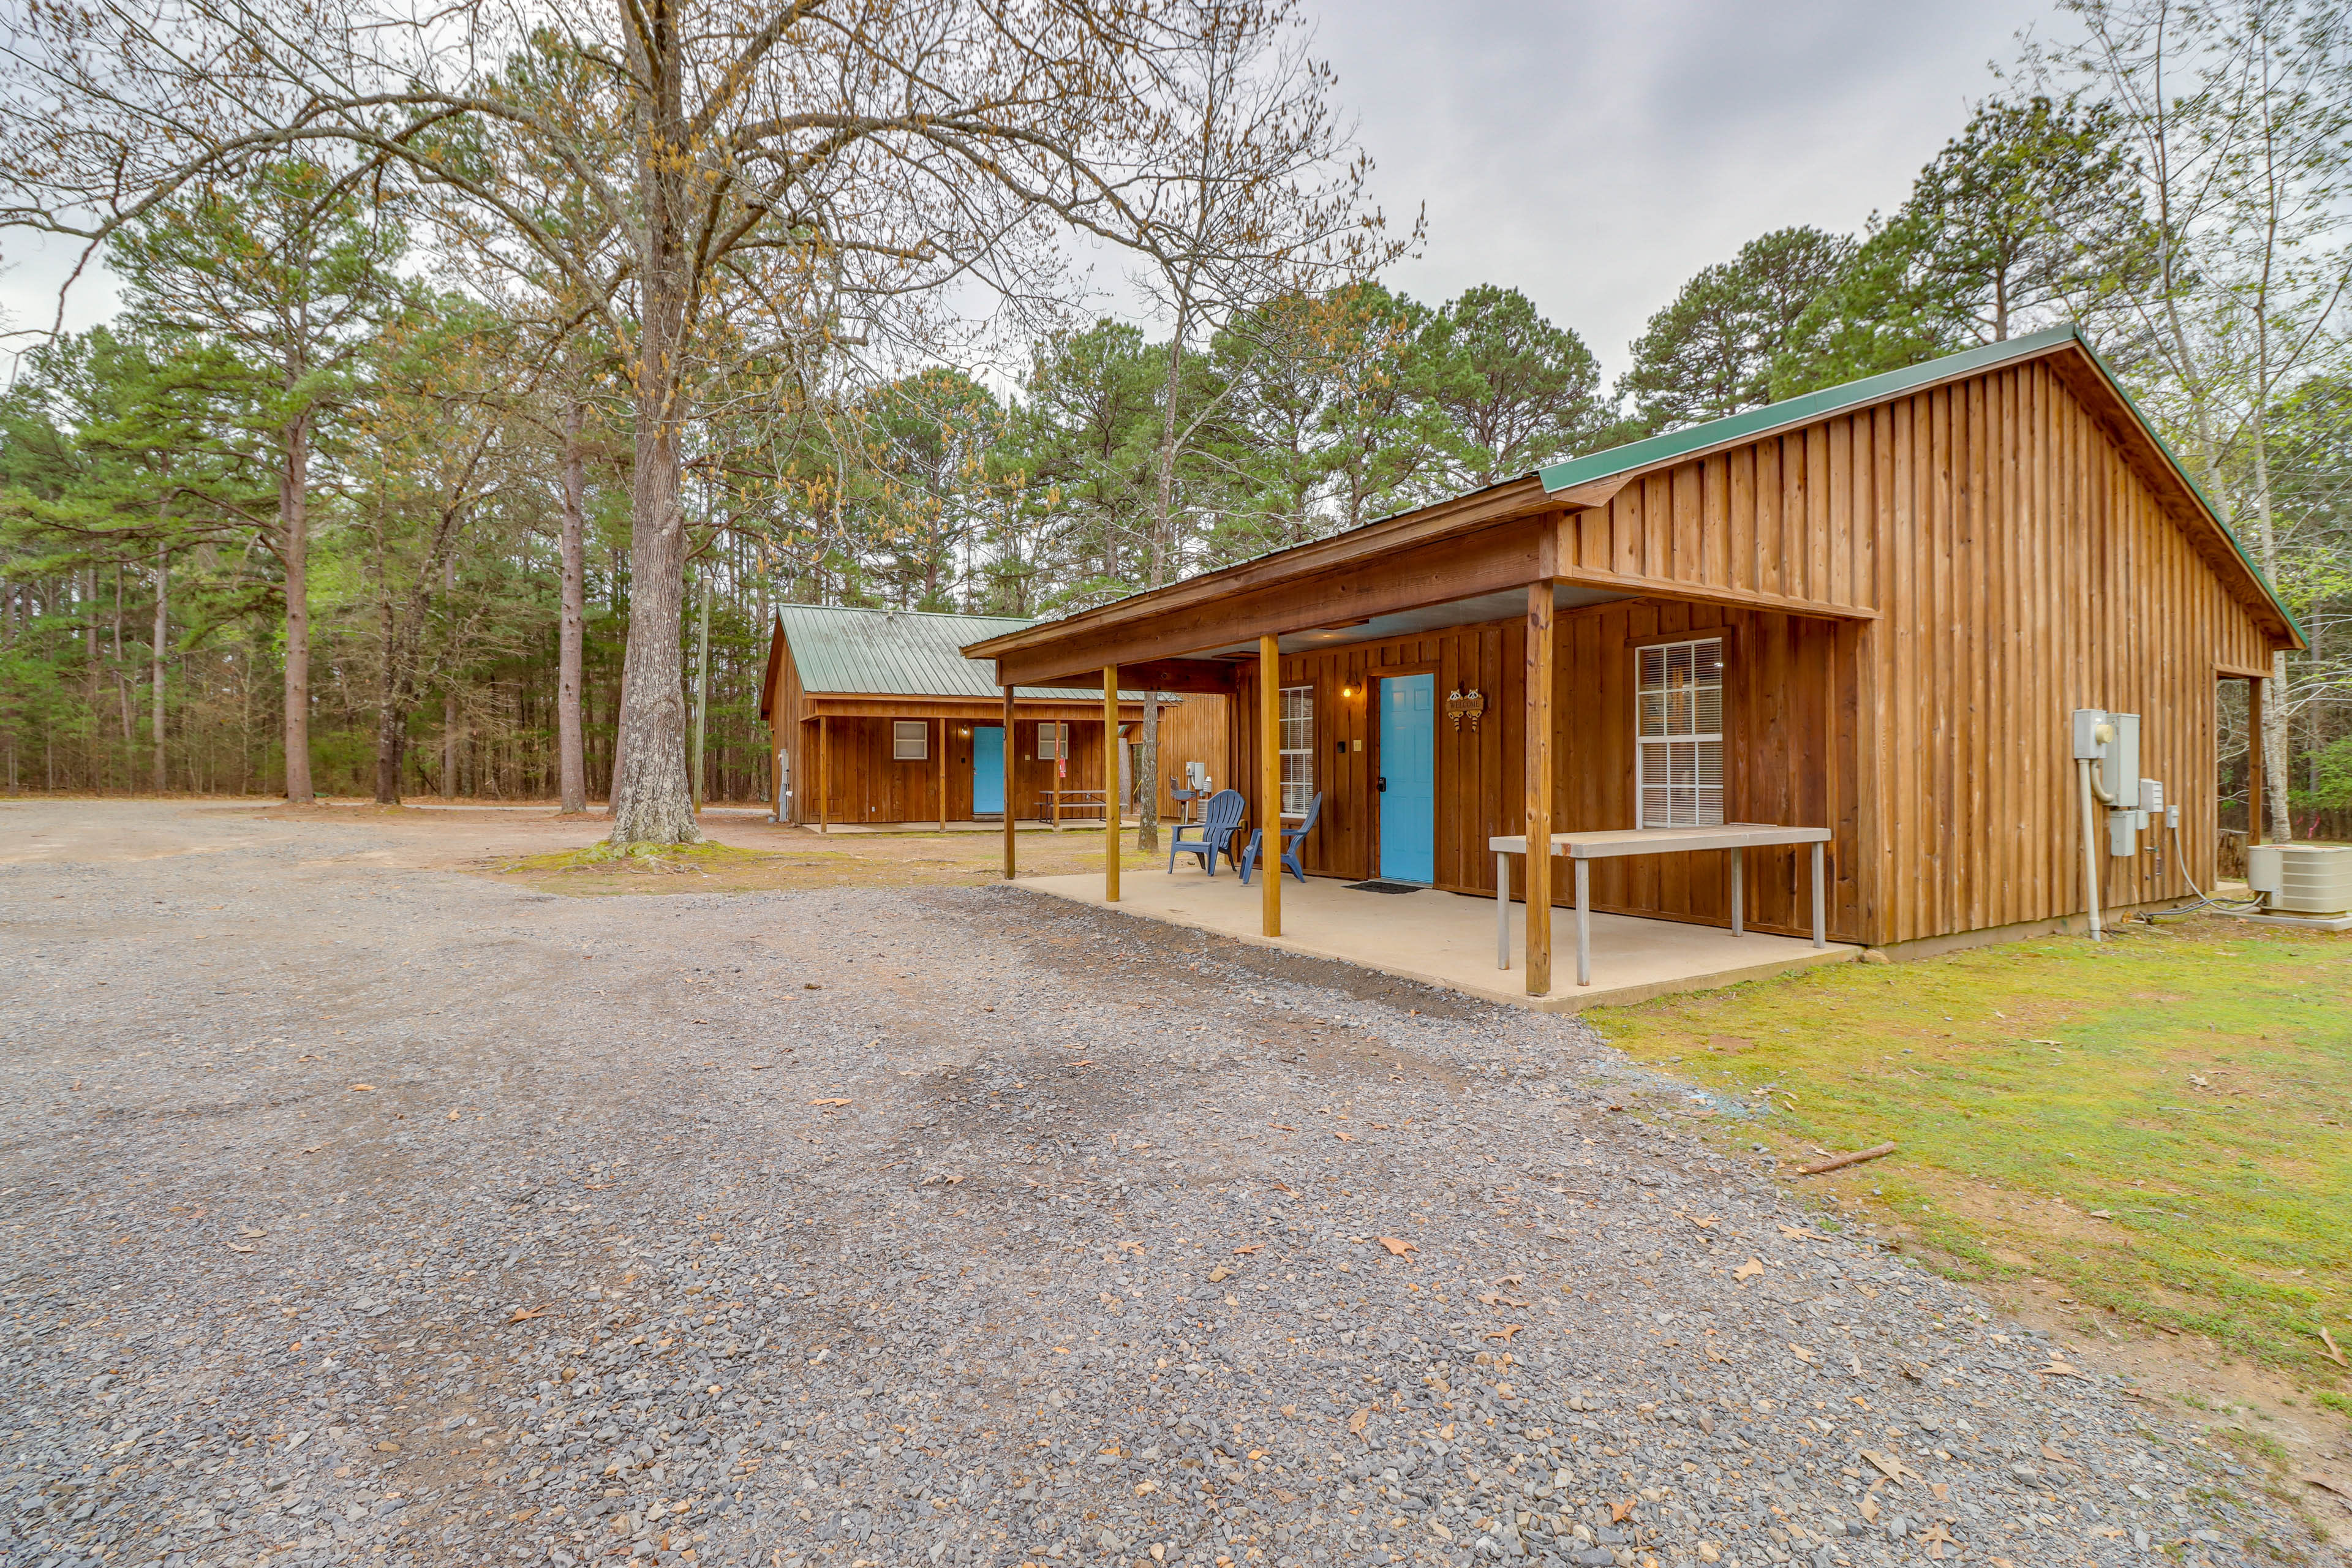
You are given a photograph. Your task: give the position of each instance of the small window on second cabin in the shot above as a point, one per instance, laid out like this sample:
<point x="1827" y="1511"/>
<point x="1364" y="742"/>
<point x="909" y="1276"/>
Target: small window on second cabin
<point x="1678" y="739"/>
<point x="1053" y="741"/>
<point x="911" y="739"/>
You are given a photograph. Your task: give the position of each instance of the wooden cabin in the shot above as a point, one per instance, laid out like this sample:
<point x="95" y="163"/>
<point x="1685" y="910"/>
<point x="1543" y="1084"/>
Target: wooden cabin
<point x="1873" y="609"/>
<point x="877" y="718"/>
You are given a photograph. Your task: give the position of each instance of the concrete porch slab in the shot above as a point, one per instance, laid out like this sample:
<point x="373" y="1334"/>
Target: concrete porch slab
<point x="1448" y="940"/>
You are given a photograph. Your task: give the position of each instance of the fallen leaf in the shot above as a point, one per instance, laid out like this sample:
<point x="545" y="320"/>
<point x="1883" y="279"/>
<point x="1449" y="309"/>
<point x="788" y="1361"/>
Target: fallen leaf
<point x="233" y="1246"/>
<point x="828" y="1103"/>
<point x="1891" y="1466"/>
<point x="2050" y="1453"/>
<point x="1253" y="1247"/>
<point x="1617" y="1511"/>
<point x="1282" y="1127"/>
<point x="363" y="1089"/>
<point x="1802" y="1354"/>
<point x="1145" y="1489"/>
<point x="454" y="1115"/>
<point x="1709" y="1223"/>
<point x="313" y="1148"/>
<point x="1343" y="1137"/>
<point x="1219" y="1274"/>
<point x="1748" y="1270"/>
<point x="1356" y="1423"/>
<point x="1397" y="1247"/>
<point x="1793" y="1233"/>
<point x="1868" y="1509"/>
<point x="525" y="1314"/>
<point x="1505" y="1333"/>
<point x="2329" y="1341"/>
<point x="2101" y="1214"/>
<point x="2059" y="1369"/>
<point x="1936" y="1539"/>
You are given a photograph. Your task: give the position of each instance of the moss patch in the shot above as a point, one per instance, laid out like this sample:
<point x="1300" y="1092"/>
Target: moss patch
<point x="2156" y="1124"/>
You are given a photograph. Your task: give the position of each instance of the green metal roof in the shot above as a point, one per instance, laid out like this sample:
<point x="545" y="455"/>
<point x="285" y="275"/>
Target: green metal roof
<point x="1830" y="400"/>
<point x="903" y="653"/>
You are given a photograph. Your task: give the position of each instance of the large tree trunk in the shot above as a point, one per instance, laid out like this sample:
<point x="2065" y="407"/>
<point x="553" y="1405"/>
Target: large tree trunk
<point x="2276" y="764"/>
<point x="570" y="744"/>
<point x="391" y="750"/>
<point x="294" y="524"/>
<point x="651" y="801"/>
<point x="155" y="656"/>
<point x="701" y="690"/>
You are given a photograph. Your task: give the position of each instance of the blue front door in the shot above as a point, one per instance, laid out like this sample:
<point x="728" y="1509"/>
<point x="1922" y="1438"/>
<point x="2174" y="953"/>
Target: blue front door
<point x="1409" y="778"/>
<point x="988" y="769"/>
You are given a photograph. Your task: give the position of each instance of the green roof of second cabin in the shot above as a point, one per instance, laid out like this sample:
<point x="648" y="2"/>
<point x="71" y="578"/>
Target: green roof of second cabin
<point x="838" y="651"/>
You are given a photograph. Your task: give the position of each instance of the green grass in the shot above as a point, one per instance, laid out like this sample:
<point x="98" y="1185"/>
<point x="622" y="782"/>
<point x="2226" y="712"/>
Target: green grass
<point x="2178" y="1155"/>
<point x="606" y="855"/>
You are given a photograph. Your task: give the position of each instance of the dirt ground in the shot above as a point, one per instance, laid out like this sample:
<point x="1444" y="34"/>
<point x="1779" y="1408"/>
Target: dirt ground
<point x="361" y="1202"/>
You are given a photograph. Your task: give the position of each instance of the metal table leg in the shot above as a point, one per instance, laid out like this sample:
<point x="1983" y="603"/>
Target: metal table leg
<point x="1583" y="922"/>
<point x="1820" y="922"/>
<point x="1502" y="909"/>
<point x="1738" y="893"/>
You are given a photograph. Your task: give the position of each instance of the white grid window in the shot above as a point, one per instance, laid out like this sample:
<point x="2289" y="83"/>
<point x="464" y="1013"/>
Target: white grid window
<point x="1298" y="737"/>
<point x="1678" y="735"/>
<point x="1053" y="741"/>
<point x="911" y="739"/>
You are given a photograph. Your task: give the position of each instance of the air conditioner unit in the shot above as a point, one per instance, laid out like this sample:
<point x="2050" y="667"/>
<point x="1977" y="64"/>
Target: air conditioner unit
<point x="2302" y="879"/>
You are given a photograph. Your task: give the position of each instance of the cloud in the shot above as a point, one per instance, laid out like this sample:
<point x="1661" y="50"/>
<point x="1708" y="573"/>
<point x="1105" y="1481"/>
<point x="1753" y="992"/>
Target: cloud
<point x="1595" y="155"/>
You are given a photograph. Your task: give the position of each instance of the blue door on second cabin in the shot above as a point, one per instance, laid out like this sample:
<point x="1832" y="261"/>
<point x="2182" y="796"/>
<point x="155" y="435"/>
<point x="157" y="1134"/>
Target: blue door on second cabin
<point x="1408" y="786"/>
<point x="988" y="769"/>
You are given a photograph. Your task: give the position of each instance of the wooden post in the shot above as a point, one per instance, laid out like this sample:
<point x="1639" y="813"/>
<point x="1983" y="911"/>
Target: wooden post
<point x="1269" y="782"/>
<point x="943" y="776"/>
<point x="1110" y="774"/>
<point x="1538" y="788"/>
<point x="824" y="777"/>
<point x="2254" y="780"/>
<point x="1010" y="756"/>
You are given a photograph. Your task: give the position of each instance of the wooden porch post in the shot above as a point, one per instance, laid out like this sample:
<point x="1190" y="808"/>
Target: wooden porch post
<point x="1269" y="782"/>
<point x="824" y="777"/>
<point x="1008" y="759"/>
<point x="2254" y="780"/>
<point x="1110" y="783"/>
<point x="943" y="776"/>
<point x="1539" y="788"/>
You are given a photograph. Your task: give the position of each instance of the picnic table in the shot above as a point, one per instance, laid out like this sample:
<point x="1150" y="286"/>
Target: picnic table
<point x="1582" y="848"/>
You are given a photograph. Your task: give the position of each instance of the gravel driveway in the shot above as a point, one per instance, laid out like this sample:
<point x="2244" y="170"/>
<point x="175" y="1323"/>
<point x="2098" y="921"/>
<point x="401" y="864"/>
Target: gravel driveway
<point x="359" y="1215"/>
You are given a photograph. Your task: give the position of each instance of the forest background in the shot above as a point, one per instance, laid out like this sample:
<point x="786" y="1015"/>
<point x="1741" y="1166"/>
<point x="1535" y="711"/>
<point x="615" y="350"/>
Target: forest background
<point x="336" y="423"/>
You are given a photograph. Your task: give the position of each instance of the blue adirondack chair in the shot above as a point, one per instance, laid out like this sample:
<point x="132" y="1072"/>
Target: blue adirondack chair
<point x="1212" y="836"/>
<point x="1292" y="837"/>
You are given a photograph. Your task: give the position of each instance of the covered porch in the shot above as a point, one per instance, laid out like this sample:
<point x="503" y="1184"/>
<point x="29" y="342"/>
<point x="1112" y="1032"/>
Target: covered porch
<point x="1446" y="938"/>
<point x="1417" y="692"/>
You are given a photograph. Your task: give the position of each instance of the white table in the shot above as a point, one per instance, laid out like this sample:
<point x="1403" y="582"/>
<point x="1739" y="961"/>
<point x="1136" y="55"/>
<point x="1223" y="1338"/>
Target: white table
<point x="1583" y="848"/>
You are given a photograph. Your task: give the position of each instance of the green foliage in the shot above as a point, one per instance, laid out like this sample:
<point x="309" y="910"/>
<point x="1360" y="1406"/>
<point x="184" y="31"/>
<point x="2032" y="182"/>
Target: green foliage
<point x="1710" y="352"/>
<point x="2030" y="216"/>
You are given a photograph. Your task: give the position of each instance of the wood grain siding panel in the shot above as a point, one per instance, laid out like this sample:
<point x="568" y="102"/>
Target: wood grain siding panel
<point x="2026" y="569"/>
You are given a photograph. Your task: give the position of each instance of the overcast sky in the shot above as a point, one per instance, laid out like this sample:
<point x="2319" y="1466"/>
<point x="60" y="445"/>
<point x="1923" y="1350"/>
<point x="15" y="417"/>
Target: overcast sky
<point x="1594" y="153"/>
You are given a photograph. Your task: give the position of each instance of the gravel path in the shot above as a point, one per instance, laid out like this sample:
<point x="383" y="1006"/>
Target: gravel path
<point x="399" y="1217"/>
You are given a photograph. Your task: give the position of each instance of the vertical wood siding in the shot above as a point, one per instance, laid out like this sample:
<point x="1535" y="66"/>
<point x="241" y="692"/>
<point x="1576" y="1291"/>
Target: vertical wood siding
<point x="2021" y="567"/>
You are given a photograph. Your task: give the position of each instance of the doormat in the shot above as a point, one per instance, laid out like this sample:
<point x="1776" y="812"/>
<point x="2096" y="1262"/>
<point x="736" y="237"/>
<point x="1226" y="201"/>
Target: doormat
<point x="1379" y="887"/>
